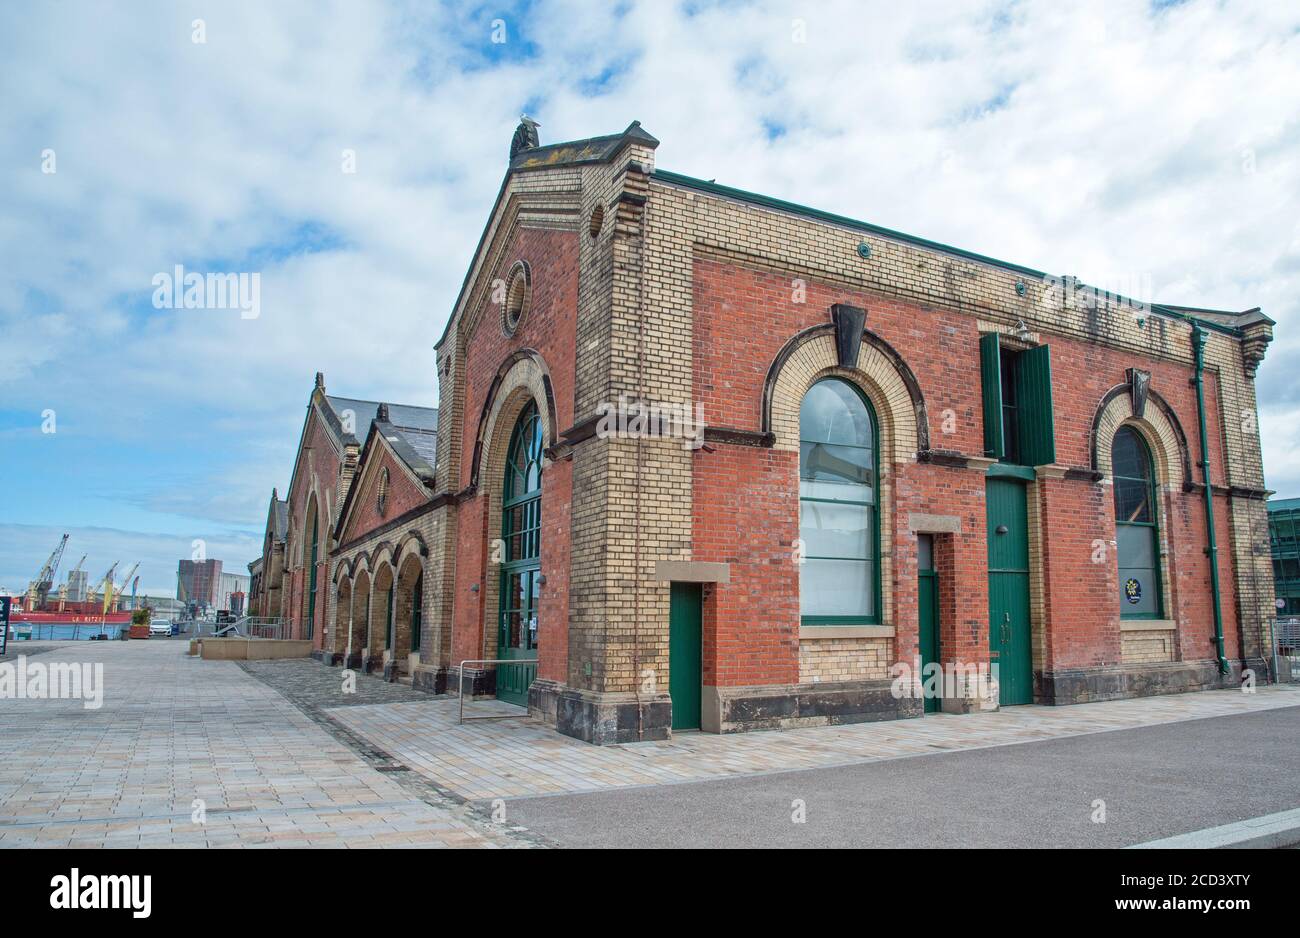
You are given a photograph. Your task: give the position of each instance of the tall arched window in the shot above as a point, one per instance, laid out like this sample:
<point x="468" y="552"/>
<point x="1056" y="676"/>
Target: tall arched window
<point x="1137" y="537"/>
<point x="839" y="581"/>
<point x="521" y="571"/>
<point x="311" y="581"/>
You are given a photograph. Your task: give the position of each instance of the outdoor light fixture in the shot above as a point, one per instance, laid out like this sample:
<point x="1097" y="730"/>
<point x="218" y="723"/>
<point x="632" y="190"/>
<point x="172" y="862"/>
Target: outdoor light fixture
<point x="1022" y="331"/>
<point x="474" y="588"/>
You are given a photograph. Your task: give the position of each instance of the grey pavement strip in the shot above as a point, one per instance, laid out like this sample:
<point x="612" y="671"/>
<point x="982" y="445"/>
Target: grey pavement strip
<point x="177" y="733"/>
<point x="311" y="687"/>
<point x="1271" y="831"/>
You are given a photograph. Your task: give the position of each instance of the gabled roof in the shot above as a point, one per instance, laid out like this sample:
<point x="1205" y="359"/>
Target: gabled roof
<point x="281" y="519"/>
<point x="277" y="517"/>
<point x="415" y="446"/>
<point x="364" y="412"/>
<point x="574" y="152"/>
<point x="552" y="156"/>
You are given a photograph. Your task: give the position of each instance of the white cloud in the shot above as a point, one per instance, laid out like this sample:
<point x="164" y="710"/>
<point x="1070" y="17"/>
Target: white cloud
<point x="1105" y="141"/>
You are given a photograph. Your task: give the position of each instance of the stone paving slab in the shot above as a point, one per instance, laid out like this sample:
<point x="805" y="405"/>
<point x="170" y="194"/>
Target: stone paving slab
<point x="27" y="649"/>
<point x="308" y="683"/>
<point x="483" y="761"/>
<point x="173" y="729"/>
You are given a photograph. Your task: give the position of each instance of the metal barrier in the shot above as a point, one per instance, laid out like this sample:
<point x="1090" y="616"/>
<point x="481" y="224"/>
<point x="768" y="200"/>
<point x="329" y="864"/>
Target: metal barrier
<point x="244" y="627"/>
<point x="56" y="631"/>
<point x="460" y="687"/>
<point x="1286" y="644"/>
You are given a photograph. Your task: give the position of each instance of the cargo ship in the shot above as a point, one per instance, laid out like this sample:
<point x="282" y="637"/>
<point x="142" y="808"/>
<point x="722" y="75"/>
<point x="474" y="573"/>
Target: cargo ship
<point x="43" y="612"/>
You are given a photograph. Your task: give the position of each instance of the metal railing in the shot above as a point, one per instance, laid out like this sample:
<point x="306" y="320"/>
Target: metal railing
<point x="460" y="688"/>
<point x="244" y="627"/>
<point x="60" y="632"/>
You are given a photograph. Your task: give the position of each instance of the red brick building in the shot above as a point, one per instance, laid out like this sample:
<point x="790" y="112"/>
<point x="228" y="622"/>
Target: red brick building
<point x="709" y="459"/>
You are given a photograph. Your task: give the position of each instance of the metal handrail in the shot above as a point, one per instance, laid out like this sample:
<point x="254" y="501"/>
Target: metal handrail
<point x="460" y="687"/>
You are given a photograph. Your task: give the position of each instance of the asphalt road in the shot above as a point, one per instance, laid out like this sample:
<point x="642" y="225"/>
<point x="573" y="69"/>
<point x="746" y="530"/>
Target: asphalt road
<point x="1156" y="782"/>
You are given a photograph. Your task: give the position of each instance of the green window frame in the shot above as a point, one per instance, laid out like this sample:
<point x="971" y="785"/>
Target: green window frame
<point x="521" y="532"/>
<point x="311" y="578"/>
<point x="1137" y="530"/>
<point x="839" y="511"/>
<point x="1019" y="426"/>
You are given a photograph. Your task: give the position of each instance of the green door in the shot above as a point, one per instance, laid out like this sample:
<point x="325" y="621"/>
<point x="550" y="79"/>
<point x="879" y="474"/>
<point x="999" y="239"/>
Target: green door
<point x="927" y="601"/>
<point x="685" y="655"/>
<point x="521" y="570"/>
<point x="1008" y="550"/>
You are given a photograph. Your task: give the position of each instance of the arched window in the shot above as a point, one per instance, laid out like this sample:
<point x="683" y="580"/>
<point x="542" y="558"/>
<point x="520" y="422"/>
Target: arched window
<point x="839" y="581"/>
<point x="1136" y="535"/>
<point x="521" y="571"/>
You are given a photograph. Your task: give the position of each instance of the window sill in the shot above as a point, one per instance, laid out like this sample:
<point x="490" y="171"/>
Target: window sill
<point x="814" y="632"/>
<point x="1147" y="625"/>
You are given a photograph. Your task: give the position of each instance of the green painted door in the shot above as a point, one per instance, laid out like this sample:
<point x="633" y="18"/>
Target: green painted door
<point x="927" y="601"/>
<point x="1008" y="550"/>
<point x="685" y="655"/>
<point x="518" y="638"/>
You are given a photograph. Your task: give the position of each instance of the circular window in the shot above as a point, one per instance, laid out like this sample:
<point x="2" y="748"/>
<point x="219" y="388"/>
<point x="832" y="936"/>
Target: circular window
<point x="382" y="500"/>
<point x="597" y="220"/>
<point x="519" y="292"/>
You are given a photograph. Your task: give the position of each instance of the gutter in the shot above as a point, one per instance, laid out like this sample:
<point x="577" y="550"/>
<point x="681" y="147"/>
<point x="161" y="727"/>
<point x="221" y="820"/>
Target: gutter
<point x="1211" y="547"/>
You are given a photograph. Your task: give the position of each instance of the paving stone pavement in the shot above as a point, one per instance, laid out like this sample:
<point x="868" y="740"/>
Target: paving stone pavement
<point x="310" y="684"/>
<point x="173" y="729"/>
<point x="26" y="649"/>
<point x="482" y="761"/>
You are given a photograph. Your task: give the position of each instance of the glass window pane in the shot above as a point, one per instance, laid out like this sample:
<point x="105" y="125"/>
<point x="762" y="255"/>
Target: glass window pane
<point x="1136" y="546"/>
<point x="1138" y="560"/>
<point x="833" y="412"/>
<point x="830" y="530"/>
<point x="829" y="462"/>
<point x="1132" y="500"/>
<point x="1137" y="591"/>
<point x="925" y="551"/>
<point x="836" y="588"/>
<point x="1128" y="455"/>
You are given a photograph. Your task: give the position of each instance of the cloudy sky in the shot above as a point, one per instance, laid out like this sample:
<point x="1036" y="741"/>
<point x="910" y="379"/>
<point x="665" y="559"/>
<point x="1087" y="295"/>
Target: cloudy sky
<point x="1129" y="142"/>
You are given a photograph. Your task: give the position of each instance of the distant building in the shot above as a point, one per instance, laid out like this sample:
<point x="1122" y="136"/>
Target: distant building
<point x="198" y="582"/>
<point x="1284" y="539"/>
<point x="77" y="586"/>
<point x="230" y="585"/>
<point x="267" y="573"/>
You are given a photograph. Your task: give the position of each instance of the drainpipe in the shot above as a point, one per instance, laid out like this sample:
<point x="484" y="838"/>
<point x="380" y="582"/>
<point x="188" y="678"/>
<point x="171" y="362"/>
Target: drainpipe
<point x="1211" y="548"/>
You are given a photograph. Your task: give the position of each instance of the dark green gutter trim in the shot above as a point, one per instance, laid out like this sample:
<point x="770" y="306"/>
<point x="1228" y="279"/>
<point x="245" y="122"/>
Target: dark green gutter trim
<point x="741" y="195"/>
<point x="1211" y="547"/>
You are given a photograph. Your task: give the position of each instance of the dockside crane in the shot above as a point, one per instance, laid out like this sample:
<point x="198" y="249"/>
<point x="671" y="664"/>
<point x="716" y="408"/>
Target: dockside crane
<point x="106" y="585"/>
<point x="39" y="591"/>
<point x="116" y="593"/>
